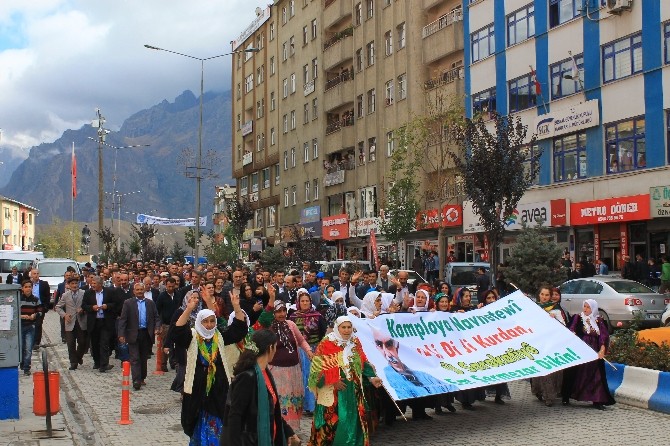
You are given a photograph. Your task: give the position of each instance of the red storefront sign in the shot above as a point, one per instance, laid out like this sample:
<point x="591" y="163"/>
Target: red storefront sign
<point x="623" y="239"/>
<point x="451" y="215"/>
<point x="559" y="212"/>
<point x="596" y="243"/>
<point x="610" y="210"/>
<point x="335" y="227"/>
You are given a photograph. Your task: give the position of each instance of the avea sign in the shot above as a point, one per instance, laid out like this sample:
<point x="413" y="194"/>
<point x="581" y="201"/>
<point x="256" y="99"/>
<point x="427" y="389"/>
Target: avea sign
<point x="529" y="214"/>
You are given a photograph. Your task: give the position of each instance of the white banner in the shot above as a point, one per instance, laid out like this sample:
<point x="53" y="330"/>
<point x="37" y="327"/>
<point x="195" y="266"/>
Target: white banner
<point x="568" y="120"/>
<point x="430" y="353"/>
<point x="152" y="220"/>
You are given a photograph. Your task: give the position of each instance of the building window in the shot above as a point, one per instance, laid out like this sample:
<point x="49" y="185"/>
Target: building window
<point x="482" y="43"/>
<point x="285" y="160"/>
<point x="358" y="14"/>
<point x="370" y="48"/>
<point x="388" y="43"/>
<point x="622" y="58"/>
<point x="372" y="149"/>
<point x="293" y="157"/>
<point x="272" y="31"/>
<point x="272" y="136"/>
<point x="260" y="142"/>
<point x="390" y="143"/>
<point x="284" y="51"/>
<point x="277" y="174"/>
<point x="305" y="74"/>
<point x="292" y="119"/>
<point x="284" y="16"/>
<point x="521" y="25"/>
<point x="359" y="60"/>
<point x="372" y="100"/>
<point x="272" y="216"/>
<point x="359" y="106"/>
<point x="239" y="91"/>
<point x="521" y="93"/>
<point x="272" y="66"/>
<point x="531" y="162"/>
<point x="315" y="148"/>
<point x="388" y="88"/>
<point x="361" y="153"/>
<point x="305" y="114"/>
<point x="265" y="177"/>
<point x="402" y="86"/>
<point x="666" y="38"/>
<point x="285" y="123"/>
<point x="239" y="121"/>
<point x="315" y="68"/>
<point x="291" y="44"/>
<point x="561" y="11"/>
<point x="570" y="157"/>
<point x="254" y="182"/>
<point x="292" y="83"/>
<point x="315" y="108"/>
<point x="260" y="41"/>
<point x="305" y="152"/>
<point x="260" y="108"/>
<point x="370" y="8"/>
<point x="400" y="31"/>
<point x="315" y="188"/>
<point x="307" y="184"/>
<point x="291" y="8"/>
<point x="625" y="142"/>
<point x="484" y="104"/>
<point x="244" y="184"/>
<point x="286" y="197"/>
<point x="294" y="195"/>
<point x="285" y="89"/>
<point x="305" y="33"/>
<point x="273" y="103"/>
<point x="249" y="83"/>
<point x="563" y="80"/>
<point x="314" y="29"/>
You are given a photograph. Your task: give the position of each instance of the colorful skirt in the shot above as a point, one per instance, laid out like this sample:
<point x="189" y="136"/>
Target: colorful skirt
<point x="207" y="431"/>
<point x="309" y="402"/>
<point x="291" y="393"/>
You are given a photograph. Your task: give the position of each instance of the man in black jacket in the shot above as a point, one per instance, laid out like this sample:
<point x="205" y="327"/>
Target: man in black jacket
<point x="166" y="304"/>
<point x="42" y="291"/>
<point x="15" y="277"/>
<point x="101" y="306"/>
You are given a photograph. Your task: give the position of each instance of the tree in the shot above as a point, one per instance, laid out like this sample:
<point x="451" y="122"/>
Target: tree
<point x="57" y="239"/>
<point x="108" y="241"/>
<point x="145" y="234"/>
<point x="134" y="246"/>
<point x="178" y="252"/>
<point x="239" y="213"/>
<point x="222" y="247"/>
<point x="273" y="259"/>
<point x="304" y="248"/>
<point x="189" y="238"/>
<point x="154" y="251"/>
<point x="534" y="261"/>
<point x="496" y="169"/>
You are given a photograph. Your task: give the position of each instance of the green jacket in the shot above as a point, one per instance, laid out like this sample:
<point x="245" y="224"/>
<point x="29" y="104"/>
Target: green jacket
<point x="665" y="271"/>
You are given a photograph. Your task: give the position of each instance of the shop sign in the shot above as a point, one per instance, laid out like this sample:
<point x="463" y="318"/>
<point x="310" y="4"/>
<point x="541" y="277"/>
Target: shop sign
<point x="623" y="238"/>
<point x="551" y="213"/>
<point x="660" y="201"/>
<point x="451" y="215"/>
<point x="471" y="223"/>
<point x="256" y="244"/>
<point x="568" y="120"/>
<point x="310" y="214"/>
<point x="262" y="16"/>
<point x="610" y="210"/>
<point x="335" y="227"/>
<point x="311" y="230"/>
<point x="364" y="226"/>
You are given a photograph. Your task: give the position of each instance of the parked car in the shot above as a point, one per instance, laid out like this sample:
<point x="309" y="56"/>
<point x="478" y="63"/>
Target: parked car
<point x="52" y="270"/>
<point x="333" y="267"/>
<point x="665" y="317"/>
<point x="412" y="276"/>
<point x="464" y="274"/>
<point x="619" y="300"/>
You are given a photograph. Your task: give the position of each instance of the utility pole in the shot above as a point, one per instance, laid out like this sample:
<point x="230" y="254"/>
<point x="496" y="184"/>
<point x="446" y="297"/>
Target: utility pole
<point x="102" y="134"/>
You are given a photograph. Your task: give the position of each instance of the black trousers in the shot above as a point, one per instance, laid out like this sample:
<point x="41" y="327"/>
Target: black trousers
<point x="38" y="330"/>
<point x="139" y="355"/>
<point x="77" y="343"/>
<point x="100" y="337"/>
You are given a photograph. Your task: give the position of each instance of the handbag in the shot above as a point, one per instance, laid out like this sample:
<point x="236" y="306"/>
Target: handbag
<point x="122" y="351"/>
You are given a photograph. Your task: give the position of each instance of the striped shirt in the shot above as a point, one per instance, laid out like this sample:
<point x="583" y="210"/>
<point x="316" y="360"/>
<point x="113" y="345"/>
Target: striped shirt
<point x="29" y="306"/>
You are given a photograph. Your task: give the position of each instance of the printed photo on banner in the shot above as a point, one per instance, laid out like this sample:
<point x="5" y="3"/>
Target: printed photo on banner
<point x="431" y="353"/>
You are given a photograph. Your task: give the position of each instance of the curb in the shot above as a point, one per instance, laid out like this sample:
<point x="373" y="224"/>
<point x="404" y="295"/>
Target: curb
<point x="639" y="387"/>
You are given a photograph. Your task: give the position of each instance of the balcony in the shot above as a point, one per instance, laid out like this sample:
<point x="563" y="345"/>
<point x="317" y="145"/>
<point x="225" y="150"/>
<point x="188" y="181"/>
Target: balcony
<point x="247" y="158"/>
<point x="447" y="77"/>
<point x="443" y="37"/>
<point x="339" y="91"/>
<point x="338" y="49"/>
<point x="337" y="125"/>
<point x="335" y="11"/>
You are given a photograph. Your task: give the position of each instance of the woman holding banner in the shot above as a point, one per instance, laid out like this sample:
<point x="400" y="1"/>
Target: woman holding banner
<point x="547" y="387"/>
<point x="589" y="382"/>
<point x="338" y="374"/>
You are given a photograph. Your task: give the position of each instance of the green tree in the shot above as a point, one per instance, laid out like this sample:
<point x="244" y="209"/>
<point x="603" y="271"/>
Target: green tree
<point x="496" y="169"/>
<point x="304" y="248"/>
<point x="273" y="259"/>
<point x="222" y="247"/>
<point x="239" y="213"/>
<point x="108" y="242"/>
<point x="535" y="260"/>
<point x="189" y="238"/>
<point x="144" y="233"/>
<point x="178" y="252"/>
<point x="134" y="246"/>
<point x="58" y="238"/>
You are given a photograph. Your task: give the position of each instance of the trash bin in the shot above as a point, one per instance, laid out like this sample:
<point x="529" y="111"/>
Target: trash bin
<point x="39" y="393"/>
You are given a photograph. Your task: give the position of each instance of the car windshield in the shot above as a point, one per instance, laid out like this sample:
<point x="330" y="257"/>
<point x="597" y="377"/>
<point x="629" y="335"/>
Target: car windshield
<point x="464" y="275"/>
<point x="54" y="269"/>
<point x="624" y="287"/>
<point x="7" y="265"/>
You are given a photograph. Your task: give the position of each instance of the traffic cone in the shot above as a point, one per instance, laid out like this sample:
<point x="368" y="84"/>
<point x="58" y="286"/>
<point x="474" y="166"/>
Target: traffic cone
<point x="159" y="356"/>
<point x="125" y="395"/>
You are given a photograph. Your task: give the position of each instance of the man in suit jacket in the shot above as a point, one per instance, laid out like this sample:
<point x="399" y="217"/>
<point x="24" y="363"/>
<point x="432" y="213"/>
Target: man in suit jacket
<point x="402" y="290"/>
<point x="43" y="292"/>
<point x="99" y="303"/>
<point x="75" y="319"/>
<point x="138" y="325"/>
<point x="166" y="304"/>
<point x="196" y="278"/>
<point x="15" y="277"/>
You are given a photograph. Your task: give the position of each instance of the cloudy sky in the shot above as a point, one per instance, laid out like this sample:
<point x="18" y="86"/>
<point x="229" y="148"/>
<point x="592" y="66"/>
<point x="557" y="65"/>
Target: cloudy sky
<point x="62" y="59"/>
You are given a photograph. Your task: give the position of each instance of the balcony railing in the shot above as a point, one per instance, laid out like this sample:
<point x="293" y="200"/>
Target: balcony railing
<point x="441" y="23"/>
<point x="446" y="77"/>
<point x="347" y="32"/>
<point x="344" y="76"/>
<point x="337" y="125"/>
<point x="328" y="3"/>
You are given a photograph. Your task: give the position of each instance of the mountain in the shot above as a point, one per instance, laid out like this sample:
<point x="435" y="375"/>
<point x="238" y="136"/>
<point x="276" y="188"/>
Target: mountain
<point x="43" y="179"/>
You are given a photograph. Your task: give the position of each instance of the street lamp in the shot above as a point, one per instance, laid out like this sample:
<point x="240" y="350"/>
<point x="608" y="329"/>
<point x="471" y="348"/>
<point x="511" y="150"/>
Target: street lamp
<point x="114" y="195"/>
<point x="198" y="177"/>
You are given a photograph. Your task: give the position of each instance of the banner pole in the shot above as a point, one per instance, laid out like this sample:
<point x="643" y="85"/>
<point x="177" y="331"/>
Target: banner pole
<point x="394" y="403"/>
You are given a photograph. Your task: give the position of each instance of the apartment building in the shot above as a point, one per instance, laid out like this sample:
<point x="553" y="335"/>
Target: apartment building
<point x="589" y="79"/>
<point x="342" y="76"/>
<point x="17" y="225"/>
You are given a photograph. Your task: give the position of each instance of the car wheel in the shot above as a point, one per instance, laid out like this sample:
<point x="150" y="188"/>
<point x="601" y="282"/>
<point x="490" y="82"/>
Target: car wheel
<point x="667" y="323"/>
<point x="606" y="319"/>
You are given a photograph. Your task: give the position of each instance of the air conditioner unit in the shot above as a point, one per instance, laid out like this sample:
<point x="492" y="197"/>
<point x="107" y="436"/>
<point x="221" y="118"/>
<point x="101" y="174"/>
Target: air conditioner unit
<point x="618" y="6"/>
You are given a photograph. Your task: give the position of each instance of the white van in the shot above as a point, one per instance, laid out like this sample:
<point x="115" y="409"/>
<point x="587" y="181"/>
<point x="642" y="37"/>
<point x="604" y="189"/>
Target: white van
<point x="20" y="259"/>
<point x="52" y="270"/>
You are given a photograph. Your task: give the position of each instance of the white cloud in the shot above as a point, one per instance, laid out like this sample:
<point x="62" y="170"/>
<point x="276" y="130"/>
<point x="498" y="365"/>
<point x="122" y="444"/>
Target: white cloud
<point x="64" y="58"/>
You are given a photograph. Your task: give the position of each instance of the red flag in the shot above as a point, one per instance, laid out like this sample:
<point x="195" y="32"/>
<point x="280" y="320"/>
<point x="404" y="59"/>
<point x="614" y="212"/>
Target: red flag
<point x="74" y="174"/>
<point x="373" y="248"/>
<point x="533" y="77"/>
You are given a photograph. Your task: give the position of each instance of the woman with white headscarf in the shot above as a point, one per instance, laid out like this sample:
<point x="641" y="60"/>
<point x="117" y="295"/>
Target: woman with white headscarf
<point x="372" y="304"/>
<point x="337" y="377"/>
<point x="587" y="382"/>
<point x="208" y="373"/>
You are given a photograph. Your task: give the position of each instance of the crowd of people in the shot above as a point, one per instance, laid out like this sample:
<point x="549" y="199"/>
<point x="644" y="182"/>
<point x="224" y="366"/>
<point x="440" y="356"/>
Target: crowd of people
<point x="261" y="352"/>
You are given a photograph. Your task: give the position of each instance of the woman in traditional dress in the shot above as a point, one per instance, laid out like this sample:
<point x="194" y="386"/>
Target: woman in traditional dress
<point x="462" y="301"/>
<point x="312" y="326"/>
<point x="589" y="382"/>
<point x="496" y="390"/>
<point x="207" y="372"/>
<point x="285" y="365"/>
<point x="339" y="371"/>
<point x="253" y="415"/>
<point x="547" y="387"/>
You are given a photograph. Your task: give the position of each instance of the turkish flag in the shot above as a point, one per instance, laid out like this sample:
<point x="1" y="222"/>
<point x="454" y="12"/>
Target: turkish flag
<point x="74" y="174"/>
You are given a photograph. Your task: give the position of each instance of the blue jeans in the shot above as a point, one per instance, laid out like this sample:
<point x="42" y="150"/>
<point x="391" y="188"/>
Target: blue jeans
<point x="27" y="339"/>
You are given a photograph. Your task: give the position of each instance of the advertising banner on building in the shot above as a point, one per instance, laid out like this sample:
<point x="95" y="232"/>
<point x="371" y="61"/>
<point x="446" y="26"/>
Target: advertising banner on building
<point x="660" y="201"/>
<point x="508" y="340"/>
<point x="310" y="214"/>
<point x="451" y="215"/>
<point x="152" y="220"/>
<point x="335" y="227"/>
<point x="567" y="120"/>
<point x="610" y="210"/>
<point x="551" y="213"/>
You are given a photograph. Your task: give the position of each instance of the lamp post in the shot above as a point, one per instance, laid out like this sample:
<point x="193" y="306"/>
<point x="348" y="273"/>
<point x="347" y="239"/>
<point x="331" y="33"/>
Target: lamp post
<point x="198" y="168"/>
<point x="102" y="134"/>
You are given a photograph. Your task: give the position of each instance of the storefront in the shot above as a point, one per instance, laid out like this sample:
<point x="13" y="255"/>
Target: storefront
<point x="426" y="237"/>
<point x="334" y="230"/>
<point x="659" y="225"/>
<point x="611" y="228"/>
<point x="357" y="246"/>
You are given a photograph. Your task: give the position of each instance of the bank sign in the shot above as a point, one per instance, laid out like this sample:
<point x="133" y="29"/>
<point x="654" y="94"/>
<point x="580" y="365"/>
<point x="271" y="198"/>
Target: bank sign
<point x="569" y="120"/>
<point x="660" y="201"/>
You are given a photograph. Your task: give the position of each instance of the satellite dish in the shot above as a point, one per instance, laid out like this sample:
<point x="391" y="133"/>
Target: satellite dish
<point x="259" y="11"/>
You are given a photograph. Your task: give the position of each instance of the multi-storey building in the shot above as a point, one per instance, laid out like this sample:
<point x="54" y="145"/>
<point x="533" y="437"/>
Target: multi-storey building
<point x="223" y="195"/>
<point x="342" y="76"/>
<point x="588" y="77"/>
<point x="17" y="224"/>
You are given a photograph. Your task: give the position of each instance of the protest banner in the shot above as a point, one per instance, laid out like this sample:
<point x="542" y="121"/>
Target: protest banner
<point x="430" y="353"/>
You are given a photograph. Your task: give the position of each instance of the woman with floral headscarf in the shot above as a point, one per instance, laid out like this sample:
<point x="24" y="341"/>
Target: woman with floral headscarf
<point x="339" y="372"/>
<point x="208" y="373"/>
<point x="588" y="381"/>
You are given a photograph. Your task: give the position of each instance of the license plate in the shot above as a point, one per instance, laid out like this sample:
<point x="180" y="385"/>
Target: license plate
<point x="652" y="316"/>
